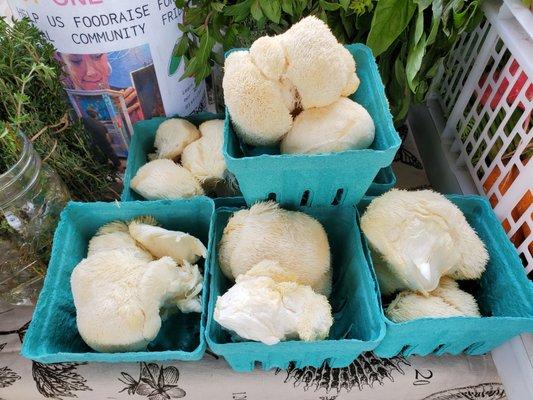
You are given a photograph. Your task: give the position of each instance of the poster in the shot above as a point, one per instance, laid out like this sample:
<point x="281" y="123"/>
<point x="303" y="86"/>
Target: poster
<point x="118" y="64"/>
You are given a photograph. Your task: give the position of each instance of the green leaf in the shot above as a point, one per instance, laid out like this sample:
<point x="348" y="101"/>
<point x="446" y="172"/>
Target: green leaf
<point x="421" y="91"/>
<point x="435" y="68"/>
<point x="203" y="73"/>
<point x="419" y="26"/>
<point x="21" y="97"/>
<point x="398" y="91"/>
<point x="390" y="19"/>
<point x="337" y="28"/>
<point x="240" y="11"/>
<point x="217" y="6"/>
<point x="4" y="133"/>
<point x="527" y="3"/>
<point x="348" y="25"/>
<point x="344" y="4"/>
<point x="323" y="16"/>
<point x="195" y="16"/>
<point x="272" y="9"/>
<point x="199" y="30"/>
<point x="257" y="14"/>
<point x="461" y="20"/>
<point x="204" y="49"/>
<point x="219" y="25"/>
<point x="458" y="20"/>
<point x="230" y="37"/>
<point x="436" y="8"/>
<point x="423" y="4"/>
<point x="286" y="6"/>
<point x="328" y="6"/>
<point x="414" y="61"/>
<point x="182" y="46"/>
<point x="190" y="67"/>
<point x="399" y="72"/>
<point x="459" y="16"/>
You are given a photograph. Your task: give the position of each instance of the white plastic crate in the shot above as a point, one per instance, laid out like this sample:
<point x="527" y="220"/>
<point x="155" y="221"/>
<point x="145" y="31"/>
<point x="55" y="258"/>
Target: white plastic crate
<point x="485" y="91"/>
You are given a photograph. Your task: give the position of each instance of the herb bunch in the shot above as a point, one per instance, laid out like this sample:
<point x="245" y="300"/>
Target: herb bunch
<point x="33" y="102"/>
<point x="409" y="37"/>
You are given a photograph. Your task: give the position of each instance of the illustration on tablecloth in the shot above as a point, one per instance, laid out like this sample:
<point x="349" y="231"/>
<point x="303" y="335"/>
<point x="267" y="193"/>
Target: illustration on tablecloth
<point x="483" y="391"/>
<point x="7" y="375"/>
<point x="365" y="371"/>
<point x="155" y="382"/>
<point x="58" y="380"/>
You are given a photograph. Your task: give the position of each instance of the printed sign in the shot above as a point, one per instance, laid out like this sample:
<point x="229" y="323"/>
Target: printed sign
<point x="117" y="63"/>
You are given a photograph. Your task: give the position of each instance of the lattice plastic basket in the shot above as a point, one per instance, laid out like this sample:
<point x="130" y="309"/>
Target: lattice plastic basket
<point x="486" y="93"/>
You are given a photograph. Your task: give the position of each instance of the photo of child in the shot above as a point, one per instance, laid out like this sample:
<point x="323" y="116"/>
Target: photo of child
<point x="114" y="90"/>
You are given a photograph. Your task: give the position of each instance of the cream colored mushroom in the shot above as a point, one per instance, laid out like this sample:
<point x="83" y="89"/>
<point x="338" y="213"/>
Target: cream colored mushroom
<point x="173" y="136"/>
<point x="343" y="125"/>
<point x="164" y="179"/>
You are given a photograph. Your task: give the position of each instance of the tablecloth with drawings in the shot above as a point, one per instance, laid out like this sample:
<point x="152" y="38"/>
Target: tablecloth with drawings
<point x="367" y="378"/>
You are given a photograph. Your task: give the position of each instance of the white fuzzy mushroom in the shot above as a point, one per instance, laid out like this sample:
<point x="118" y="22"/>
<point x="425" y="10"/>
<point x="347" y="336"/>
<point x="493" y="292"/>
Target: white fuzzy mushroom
<point x="115" y="236"/>
<point x="269" y="56"/>
<point x="343" y="125"/>
<point x="161" y="242"/>
<point x="258" y="106"/>
<point x="261" y="309"/>
<point x="173" y="136"/>
<point x="445" y="301"/>
<point x="118" y="296"/>
<point x="317" y="63"/>
<point x="204" y="157"/>
<point x="164" y="179"/>
<point x="352" y="80"/>
<point x="388" y="281"/>
<point x="295" y="240"/>
<point x="186" y="297"/>
<point x="422" y="236"/>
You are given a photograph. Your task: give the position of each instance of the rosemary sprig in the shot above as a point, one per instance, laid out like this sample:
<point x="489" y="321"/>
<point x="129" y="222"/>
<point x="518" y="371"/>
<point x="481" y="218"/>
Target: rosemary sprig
<point x="32" y="101"/>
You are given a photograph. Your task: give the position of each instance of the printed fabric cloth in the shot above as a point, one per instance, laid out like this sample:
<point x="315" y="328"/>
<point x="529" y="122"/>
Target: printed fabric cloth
<point x="367" y="378"/>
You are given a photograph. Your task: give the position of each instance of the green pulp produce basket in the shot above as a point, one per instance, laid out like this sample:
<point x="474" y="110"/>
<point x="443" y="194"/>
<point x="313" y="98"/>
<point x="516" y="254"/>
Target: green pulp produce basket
<point x="384" y="181"/>
<point x="53" y="335"/>
<point x="358" y="325"/>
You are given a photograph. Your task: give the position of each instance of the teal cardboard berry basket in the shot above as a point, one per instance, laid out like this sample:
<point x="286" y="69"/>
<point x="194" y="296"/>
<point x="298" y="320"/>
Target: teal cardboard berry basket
<point x="357" y="327"/>
<point x="319" y="179"/>
<point x="53" y="335"/>
<point x="142" y="144"/>
<point x="504" y="295"/>
<point x="384" y="181"/>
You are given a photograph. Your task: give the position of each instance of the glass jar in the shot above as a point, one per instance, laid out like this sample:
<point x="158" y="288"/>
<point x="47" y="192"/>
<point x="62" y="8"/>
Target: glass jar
<point x="31" y="197"/>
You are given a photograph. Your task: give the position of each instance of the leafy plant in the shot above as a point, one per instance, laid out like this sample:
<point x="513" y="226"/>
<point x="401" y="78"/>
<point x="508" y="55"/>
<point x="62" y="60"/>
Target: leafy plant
<point x="33" y="102"/>
<point x="409" y="37"/>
